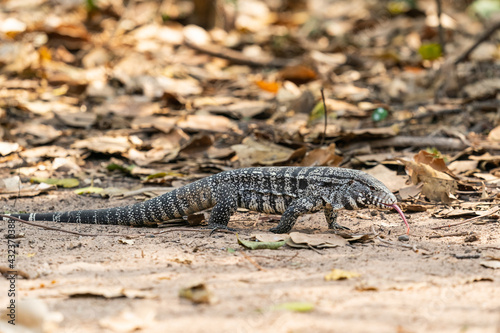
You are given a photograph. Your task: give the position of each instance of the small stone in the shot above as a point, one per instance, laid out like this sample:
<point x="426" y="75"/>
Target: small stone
<point x="471" y="238"/>
<point x="403" y="238"/>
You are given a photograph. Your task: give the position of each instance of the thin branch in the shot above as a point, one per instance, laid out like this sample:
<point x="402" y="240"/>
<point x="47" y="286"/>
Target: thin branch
<point x="488" y="213"/>
<point x="440" y="27"/>
<point x="455" y="234"/>
<point x="481" y="39"/>
<point x="325" y="114"/>
<point x="253" y="262"/>
<point x="237" y="57"/>
<point x="60" y="230"/>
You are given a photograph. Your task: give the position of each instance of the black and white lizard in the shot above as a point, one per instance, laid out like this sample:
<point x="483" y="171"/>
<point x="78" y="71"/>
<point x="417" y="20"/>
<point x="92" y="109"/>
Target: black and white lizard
<point x="290" y="191"/>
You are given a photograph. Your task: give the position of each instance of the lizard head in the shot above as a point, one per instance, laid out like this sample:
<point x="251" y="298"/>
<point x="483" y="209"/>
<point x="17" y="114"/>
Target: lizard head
<point x="369" y="191"/>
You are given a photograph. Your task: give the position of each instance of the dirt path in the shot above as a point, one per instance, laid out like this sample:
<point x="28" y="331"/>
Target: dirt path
<point x="400" y="290"/>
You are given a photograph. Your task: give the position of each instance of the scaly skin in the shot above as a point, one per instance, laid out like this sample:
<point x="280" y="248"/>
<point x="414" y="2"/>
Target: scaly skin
<point x="290" y="191"/>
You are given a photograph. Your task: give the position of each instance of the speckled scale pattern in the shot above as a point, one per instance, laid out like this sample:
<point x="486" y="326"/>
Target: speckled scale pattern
<point x="291" y="191"/>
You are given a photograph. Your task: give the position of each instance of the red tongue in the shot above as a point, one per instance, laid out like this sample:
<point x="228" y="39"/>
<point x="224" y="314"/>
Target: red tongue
<point x="396" y="207"/>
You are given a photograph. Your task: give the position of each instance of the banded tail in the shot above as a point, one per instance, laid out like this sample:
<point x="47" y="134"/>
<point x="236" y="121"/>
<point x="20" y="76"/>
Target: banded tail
<point x="180" y="202"/>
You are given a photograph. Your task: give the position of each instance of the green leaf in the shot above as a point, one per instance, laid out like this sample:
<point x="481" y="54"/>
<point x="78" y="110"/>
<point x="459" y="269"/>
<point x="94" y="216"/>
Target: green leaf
<point x="164" y="174"/>
<point x="114" y="166"/>
<point x="295" y="306"/>
<point x="64" y="182"/>
<point x="88" y="190"/>
<point x="317" y="112"/>
<point x="231" y="250"/>
<point x="260" y="245"/>
<point x="430" y="51"/>
<point x="156" y="175"/>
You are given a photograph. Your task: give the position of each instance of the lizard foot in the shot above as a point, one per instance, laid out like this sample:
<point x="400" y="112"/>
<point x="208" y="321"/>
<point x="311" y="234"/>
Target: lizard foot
<point x="337" y="227"/>
<point x="278" y="230"/>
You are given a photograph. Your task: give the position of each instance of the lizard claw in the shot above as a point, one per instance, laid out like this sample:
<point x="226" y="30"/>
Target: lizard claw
<point x="221" y="228"/>
<point x="337" y="227"/>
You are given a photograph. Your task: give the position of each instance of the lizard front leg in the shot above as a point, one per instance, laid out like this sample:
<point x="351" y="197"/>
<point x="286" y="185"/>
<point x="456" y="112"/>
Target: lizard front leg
<point x="331" y="218"/>
<point x="296" y="209"/>
<point x="226" y="205"/>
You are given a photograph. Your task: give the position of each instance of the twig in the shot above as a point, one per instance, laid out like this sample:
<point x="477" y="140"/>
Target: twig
<point x="467" y="256"/>
<point x="235" y="56"/>
<point x="51" y="228"/>
<point x="314" y="249"/>
<point x="326" y="116"/>
<point x="440" y="27"/>
<point x="418" y="141"/>
<point x="253" y="262"/>
<point x="490" y="248"/>
<point x="194" y="229"/>
<point x="408" y="246"/>
<point x="488" y="213"/>
<point x="455" y="234"/>
<point x="481" y="39"/>
<point x="61" y="230"/>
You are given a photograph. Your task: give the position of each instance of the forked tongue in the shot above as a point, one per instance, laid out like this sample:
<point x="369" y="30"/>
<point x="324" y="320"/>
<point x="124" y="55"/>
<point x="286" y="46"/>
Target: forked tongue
<point x="396" y="207"/>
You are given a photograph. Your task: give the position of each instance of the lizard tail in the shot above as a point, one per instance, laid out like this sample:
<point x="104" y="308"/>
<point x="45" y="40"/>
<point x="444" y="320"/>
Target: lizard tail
<point x="177" y="203"/>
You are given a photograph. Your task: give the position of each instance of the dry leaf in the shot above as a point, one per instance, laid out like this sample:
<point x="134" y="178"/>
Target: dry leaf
<point x="104" y="144"/>
<point x="391" y="179"/>
<point x="438" y="186"/>
<point x="410" y="192"/>
<point x="77" y="119"/>
<point x="323" y="156"/>
<point x="208" y="123"/>
<point x="319" y="241"/>
<point x="458" y="167"/>
<point x="429" y="159"/>
<point x="298" y="74"/>
<point x="252" y="152"/>
<point x="164" y="124"/>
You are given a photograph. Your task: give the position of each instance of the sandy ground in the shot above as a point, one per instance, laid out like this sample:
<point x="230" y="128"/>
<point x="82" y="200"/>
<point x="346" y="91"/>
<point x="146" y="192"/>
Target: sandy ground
<point x="137" y="285"/>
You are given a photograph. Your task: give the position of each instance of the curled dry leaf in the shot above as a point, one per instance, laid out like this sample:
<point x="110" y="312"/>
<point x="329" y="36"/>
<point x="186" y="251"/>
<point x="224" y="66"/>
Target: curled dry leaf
<point x="432" y="161"/>
<point x="319" y="241"/>
<point x="437" y="186"/>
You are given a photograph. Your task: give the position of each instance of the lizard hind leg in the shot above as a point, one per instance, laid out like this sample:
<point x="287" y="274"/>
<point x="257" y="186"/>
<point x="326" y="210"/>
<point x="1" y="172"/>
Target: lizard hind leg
<point x="331" y="218"/>
<point x="226" y="205"/>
